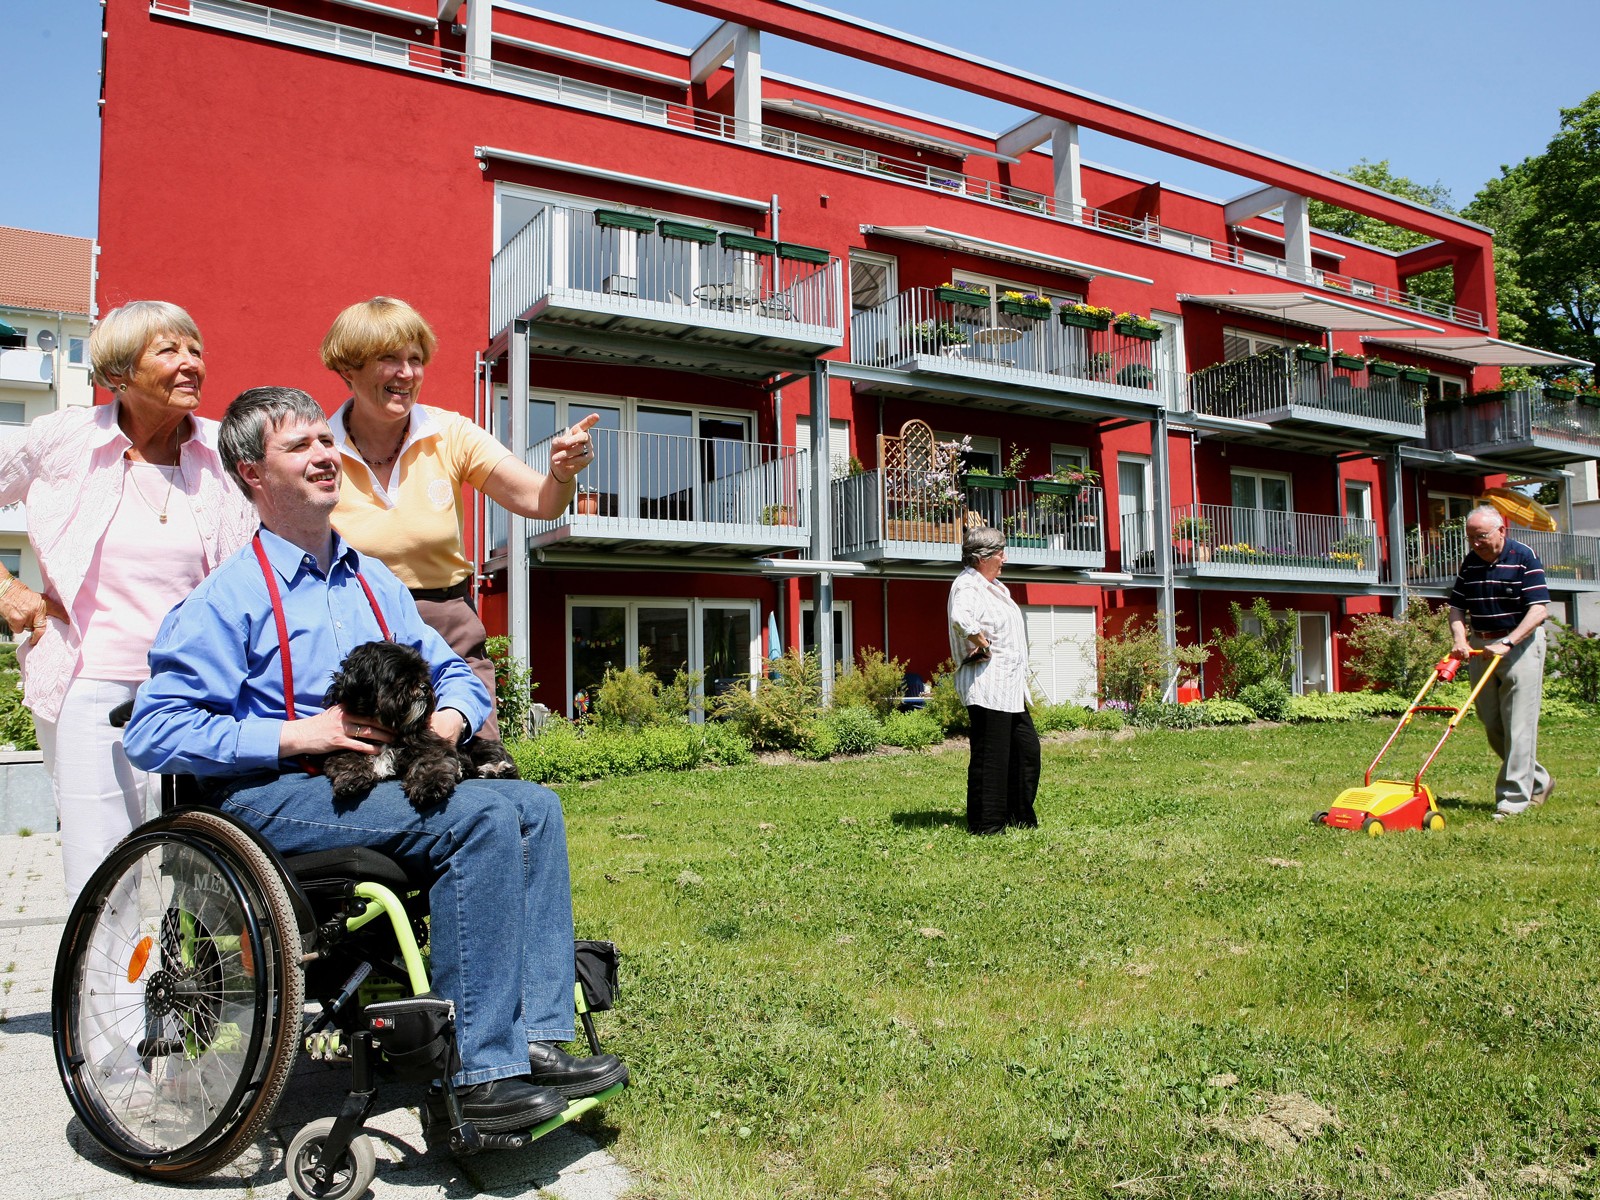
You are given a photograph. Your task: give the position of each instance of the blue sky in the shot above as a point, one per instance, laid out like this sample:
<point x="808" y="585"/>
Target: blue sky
<point x="1447" y="90"/>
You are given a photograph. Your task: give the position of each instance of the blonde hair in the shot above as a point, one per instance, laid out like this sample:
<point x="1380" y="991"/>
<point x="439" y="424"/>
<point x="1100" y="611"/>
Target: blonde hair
<point x="374" y="327"/>
<point x="120" y="339"/>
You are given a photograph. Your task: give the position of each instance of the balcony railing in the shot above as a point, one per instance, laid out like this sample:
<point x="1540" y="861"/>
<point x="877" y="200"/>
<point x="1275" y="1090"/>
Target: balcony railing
<point x="678" y="490"/>
<point x="1497" y="422"/>
<point x="1571" y="560"/>
<point x="1044" y="529"/>
<point x="351" y="42"/>
<point x="917" y="330"/>
<point x="27" y="368"/>
<point x="1275" y="385"/>
<point x="1222" y="541"/>
<point x="564" y="253"/>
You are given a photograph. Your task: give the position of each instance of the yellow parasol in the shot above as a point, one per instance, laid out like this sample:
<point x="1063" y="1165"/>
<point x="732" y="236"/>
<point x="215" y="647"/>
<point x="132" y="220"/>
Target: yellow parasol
<point x="1519" y="509"/>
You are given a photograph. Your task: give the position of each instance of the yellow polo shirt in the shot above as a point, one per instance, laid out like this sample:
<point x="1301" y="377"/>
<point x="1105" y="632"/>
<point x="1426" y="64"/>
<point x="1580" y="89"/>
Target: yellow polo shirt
<point x="414" y="526"/>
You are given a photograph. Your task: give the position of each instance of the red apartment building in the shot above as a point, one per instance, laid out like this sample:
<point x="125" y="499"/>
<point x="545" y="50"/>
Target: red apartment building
<point x="750" y="278"/>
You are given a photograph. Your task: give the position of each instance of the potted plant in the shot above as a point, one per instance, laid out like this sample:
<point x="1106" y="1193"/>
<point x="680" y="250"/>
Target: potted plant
<point x="1349" y="362"/>
<point x="1017" y="533"/>
<point x="1063" y="481"/>
<point x="1133" y="326"/>
<point x="587" y="501"/>
<point x="1193" y="534"/>
<point x="1413" y="375"/>
<point x="777" y="514"/>
<point x="962" y="292"/>
<point x="1384" y="370"/>
<point x="979" y="477"/>
<point x="1024" y="304"/>
<point x="1084" y="316"/>
<point x="934" y="337"/>
<point x="1308" y="353"/>
<point x="1561" y="389"/>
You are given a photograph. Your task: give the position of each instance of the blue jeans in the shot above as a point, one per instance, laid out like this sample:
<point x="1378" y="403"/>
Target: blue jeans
<point x="501" y="901"/>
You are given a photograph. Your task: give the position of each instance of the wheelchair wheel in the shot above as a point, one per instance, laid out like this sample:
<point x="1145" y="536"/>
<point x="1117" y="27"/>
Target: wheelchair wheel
<point x="351" y="1176"/>
<point x="178" y="996"/>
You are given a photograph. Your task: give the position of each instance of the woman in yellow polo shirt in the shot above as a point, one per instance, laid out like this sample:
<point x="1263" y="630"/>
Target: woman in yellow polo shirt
<point x="404" y="467"/>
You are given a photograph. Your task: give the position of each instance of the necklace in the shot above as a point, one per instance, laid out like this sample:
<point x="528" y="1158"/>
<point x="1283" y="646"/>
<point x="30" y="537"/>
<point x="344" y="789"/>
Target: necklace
<point x="377" y="463"/>
<point x="171" y="473"/>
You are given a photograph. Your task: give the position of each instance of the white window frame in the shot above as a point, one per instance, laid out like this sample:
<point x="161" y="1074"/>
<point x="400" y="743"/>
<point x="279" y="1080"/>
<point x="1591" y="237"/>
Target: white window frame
<point x="1250" y="473"/>
<point x="1064" y="456"/>
<point x="1147" y="531"/>
<point x="891" y="265"/>
<point x="1364" y="487"/>
<point x="981" y="444"/>
<point x="1256" y="342"/>
<point x="996" y="284"/>
<point x="845" y="614"/>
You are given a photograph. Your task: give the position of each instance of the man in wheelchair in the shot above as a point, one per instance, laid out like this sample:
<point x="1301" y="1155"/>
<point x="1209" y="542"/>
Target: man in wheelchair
<point x="238" y="672"/>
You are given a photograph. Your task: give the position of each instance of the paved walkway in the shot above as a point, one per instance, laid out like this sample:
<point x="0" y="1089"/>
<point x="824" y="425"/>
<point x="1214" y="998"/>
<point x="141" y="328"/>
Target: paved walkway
<point x="46" y="1152"/>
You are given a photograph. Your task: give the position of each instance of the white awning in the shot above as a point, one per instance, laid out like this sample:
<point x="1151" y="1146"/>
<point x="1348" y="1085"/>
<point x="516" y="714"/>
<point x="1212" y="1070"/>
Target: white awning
<point x="1311" y="311"/>
<point x="895" y="133"/>
<point x="1480" y="351"/>
<point x="998" y="251"/>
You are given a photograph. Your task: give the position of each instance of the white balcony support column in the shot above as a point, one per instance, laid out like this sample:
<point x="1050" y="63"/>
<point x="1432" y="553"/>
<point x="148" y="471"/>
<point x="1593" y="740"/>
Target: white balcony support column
<point x="1161" y="468"/>
<point x="1067" y="162"/>
<point x="448" y="10"/>
<point x="822" y="522"/>
<point x="480" y="40"/>
<point x="1253" y="204"/>
<point x="1297" y="234"/>
<point x="743" y="45"/>
<point x="519" y="610"/>
<point x="1399" y="543"/>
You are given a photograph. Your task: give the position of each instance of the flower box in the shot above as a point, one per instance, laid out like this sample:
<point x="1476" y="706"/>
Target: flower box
<point x="1036" y="310"/>
<point x="1592" y="399"/>
<point x="1031" y="540"/>
<point x="684" y="232"/>
<point x="1142" y="332"/>
<point x="953" y="295"/>
<point x="749" y="244"/>
<point x="1558" y="393"/>
<point x="1349" y="362"/>
<point x="1051" y="487"/>
<point x="1083" y="320"/>
<point x="1412" y="375"/>
<point x="1384" y="370"/>
<point x="1485" y="397"/>
<point x="1312" y="354"/>
<point x="608" y="218"/>
<point x="806" y="254"/>
<point x="993" y="483"/>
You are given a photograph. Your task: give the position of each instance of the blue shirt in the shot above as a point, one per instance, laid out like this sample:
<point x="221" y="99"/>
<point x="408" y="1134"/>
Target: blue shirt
<point x="1496" y="595"/>
<point x="214" y="702"/>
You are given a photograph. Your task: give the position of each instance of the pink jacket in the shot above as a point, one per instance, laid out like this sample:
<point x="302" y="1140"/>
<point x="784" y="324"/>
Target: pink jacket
<point x="66" y="468"/>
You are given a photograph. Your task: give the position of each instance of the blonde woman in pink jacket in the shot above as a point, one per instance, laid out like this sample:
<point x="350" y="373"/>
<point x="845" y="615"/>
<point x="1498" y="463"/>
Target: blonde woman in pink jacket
<point x="128" y="508"/>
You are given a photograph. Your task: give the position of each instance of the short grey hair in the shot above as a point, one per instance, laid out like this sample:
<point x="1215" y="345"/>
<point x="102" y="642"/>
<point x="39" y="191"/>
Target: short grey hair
<point x="119" y="340"/>
<point x="243" y="437"/>
<point x="1486" y="510"/>
<point x="985" y="541"/>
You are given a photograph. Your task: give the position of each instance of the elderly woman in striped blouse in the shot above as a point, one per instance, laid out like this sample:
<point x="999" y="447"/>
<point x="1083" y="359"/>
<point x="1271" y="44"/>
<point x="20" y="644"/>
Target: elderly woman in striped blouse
<point x="989" y="642"/>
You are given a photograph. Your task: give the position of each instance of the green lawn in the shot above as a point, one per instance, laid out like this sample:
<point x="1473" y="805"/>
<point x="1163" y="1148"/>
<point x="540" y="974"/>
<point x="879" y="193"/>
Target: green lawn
<point x="1176" y="986"/>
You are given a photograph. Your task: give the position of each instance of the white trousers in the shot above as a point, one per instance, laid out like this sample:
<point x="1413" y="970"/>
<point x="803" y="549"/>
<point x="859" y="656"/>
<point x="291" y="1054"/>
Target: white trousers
<point x="100" y="796"/>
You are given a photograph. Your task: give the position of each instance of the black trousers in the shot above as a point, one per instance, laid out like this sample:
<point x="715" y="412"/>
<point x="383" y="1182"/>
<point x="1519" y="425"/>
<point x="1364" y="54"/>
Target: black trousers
<point x="1003" y="773"/>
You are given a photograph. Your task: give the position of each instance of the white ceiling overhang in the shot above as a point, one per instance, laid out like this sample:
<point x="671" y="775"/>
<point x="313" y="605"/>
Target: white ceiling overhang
<point x="998" y="251"/>
<point x="1480" y="351"/>
<point x="1311" y="311"/>
<point x="883" y="129"/>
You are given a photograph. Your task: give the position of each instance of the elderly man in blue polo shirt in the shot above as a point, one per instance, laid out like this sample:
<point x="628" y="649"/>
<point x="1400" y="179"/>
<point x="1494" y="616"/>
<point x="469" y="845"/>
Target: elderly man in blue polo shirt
<point x="1500" y="589"/>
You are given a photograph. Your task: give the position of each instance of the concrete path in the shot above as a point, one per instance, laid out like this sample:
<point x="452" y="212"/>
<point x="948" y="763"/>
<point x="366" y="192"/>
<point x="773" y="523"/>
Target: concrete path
<point x="46" y="1153"/>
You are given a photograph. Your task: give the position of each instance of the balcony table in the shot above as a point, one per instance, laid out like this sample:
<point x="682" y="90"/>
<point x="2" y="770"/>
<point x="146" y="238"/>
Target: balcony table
<point x="996" y="336"/>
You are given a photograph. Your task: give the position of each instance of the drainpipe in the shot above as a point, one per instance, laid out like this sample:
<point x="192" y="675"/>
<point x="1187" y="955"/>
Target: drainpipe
<point x="822" y="522"/>
<point x="519" y="616"/>
<point x="1161" y="468"/>
<point x="1397" y="531"/>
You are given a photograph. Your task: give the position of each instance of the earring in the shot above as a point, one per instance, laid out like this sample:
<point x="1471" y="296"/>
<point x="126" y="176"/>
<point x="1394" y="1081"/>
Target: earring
<point x="122" y="387"/>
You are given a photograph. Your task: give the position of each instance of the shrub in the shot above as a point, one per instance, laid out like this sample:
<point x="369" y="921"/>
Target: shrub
<point x="565" y="753"/>
<point x="1345" y="706"/>
<point x="725" y="746"/>
<point x="876" y="683"/>
<point x="1260" y="648"/>
<point x="1575" y="659"/>
<point x="1105" y="720"/>
<point x="1398" y="653"/>
<point x="944" y="702"/>
<point x="1158" y="714"/>
<point x="911" y="730"/>
<point x="1137" y="662"/>
<point x="1052" y="718"/>
<point x="8" y="656"/>
<point x="1218" y="711"/>
<point x="1268" y="699"/>
<point x="780" y="712"/>
<point x="855" y="730"/>
<point x="634" y="697"/>
<point x="16" y="722"/>
<point x="818" y="742"/>
<point x="513" y="688"/>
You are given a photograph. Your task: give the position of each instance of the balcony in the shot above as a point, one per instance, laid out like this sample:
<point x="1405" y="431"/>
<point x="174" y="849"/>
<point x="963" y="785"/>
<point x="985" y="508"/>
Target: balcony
<point x="1275" y="388"/>
<point x="27" y="369"/>
<point x="628" y="288"/>
<point x="942" y="346"/>
<point x="691" y="497"/>
<point x="1216" y="541"/>
<point x="1571" y="560"/>
<point x="1525" y="428"/>
<point x="895" y="516"/>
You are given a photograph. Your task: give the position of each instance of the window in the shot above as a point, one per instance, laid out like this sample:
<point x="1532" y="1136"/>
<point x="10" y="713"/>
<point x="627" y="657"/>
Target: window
<point x="11" y="560"/>
<point x="1444" y="508"/>
<point x="1311" y="651"/>
<point x="1134" y="511"/>
<point x="1440" y="388"/>
<point x="1063" y="457"/>
<point x="1358" y="500"/>
<point x="1061" y="653"/>
<point x="715" y="638"/>
<point x="13" y="414"/>
<point x="872" y="279"/>
<point x="996" y="285"/>
<point x="1261" y="516"/>
<point x="843" y="632"/>
<point x="77" y="351"/>
<point x="1241" y="343"/>
<point x="838" y="444"/>
<point x="983" y="454"/>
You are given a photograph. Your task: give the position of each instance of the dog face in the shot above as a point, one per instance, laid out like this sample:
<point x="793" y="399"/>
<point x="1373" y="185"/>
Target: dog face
<point x="386" y="681"/>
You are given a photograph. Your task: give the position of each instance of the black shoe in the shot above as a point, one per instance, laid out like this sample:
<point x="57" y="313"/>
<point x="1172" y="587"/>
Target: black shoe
<point x="552" y="1067"/>
<point x="490" y="759"/>
<point x="501" y="1104"/>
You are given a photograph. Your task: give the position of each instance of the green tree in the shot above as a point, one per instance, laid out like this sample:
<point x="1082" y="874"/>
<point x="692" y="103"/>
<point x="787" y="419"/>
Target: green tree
<point x="1395" y="654"/>
<point x="1260" y="648"/>
<point x="1436" y="285"/>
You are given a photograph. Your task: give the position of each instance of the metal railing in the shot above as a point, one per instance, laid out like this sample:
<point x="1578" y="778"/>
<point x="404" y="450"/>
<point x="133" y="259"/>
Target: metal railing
<point x="240" y="16"/>
<point x="657" y="483"/>
<point x="1274" y="380"/>
<point x="980" y="340"/>
<point x="1491" y="418"/>
<point x="1434" y="557"/>
<point x="1042" y="521"/>
<point x="1225" y="539"/>
<point x="563" y="249"/>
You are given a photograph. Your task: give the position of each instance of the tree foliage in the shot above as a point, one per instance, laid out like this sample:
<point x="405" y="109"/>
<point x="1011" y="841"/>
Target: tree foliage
<point x="1436" y="285"/>
<point x="1395" y="654"/>
<point x="1136" y="663"/>
<point x="1259" y="650"/>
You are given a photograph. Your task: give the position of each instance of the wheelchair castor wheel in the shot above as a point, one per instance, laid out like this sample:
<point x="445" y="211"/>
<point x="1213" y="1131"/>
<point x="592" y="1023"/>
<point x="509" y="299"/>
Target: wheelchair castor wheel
<point x="346" y="1179"/>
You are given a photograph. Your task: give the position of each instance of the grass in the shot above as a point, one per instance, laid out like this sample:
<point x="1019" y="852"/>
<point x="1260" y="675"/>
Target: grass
<point x="1177" y="986"/>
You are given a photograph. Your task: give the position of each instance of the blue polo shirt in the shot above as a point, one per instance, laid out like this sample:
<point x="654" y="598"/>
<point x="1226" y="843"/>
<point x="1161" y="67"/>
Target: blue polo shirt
<point x="1496" y="595"/>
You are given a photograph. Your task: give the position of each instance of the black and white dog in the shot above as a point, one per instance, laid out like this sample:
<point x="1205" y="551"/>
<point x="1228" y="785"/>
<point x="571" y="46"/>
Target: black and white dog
<point x="392" y="684"/>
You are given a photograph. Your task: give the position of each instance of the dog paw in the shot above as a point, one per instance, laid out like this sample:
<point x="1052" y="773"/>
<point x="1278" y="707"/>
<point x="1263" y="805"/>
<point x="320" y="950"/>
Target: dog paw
<point x="490" y="760"/>
<point x="429" y="782"/>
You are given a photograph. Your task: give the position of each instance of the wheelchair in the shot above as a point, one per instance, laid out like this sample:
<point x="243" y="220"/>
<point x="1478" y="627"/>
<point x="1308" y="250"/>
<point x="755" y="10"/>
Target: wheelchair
<point x="198" y="961"/>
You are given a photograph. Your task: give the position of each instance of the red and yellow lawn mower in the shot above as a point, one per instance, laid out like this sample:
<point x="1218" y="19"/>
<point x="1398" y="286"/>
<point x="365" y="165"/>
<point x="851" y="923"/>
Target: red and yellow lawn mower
<point x="1385" y="805"/>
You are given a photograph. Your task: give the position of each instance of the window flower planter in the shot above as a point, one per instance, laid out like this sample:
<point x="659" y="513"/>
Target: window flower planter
<point x="688" y="233"/>
<point x="608" y="218"/>
<point x="1143" y="332"/>
<point x="993" y="483"/>
<point x="752" y="245"/>
<point x="1049" y="487"/>
<point x="1036" y="311"/>
<point x="1349" y="362"/>
<point x="954" y="295"/>
<point x="1384" y="370"/>
<point x="1476" y="398"/>
<point x="1032" y="540"/>
<point x="1413" y="376"/>
<point x="1592" y="399"/>
<point x="1083" y="320"/>
<point x="1312" y="354"/>
<point x="1557" y="393"/>
<point x="806" y="254"/>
